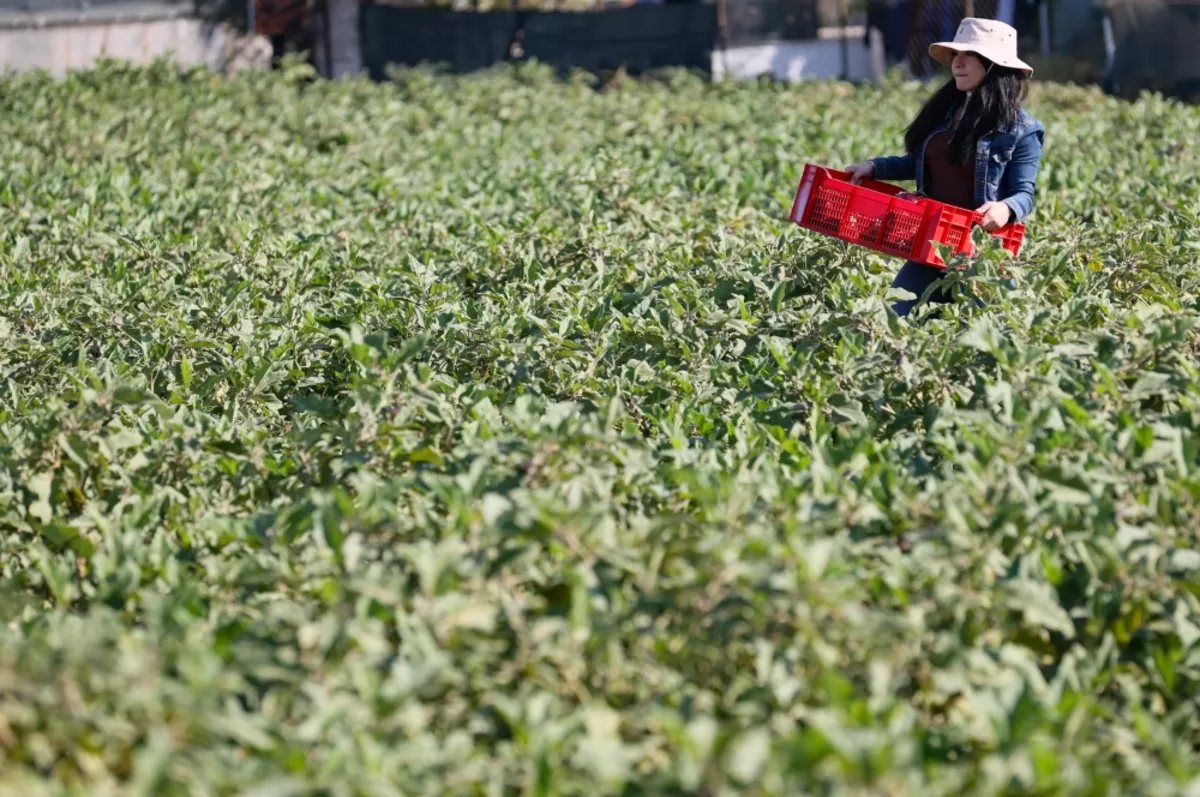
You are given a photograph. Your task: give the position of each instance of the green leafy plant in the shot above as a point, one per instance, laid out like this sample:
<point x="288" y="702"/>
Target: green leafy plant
<point x="498" y="435"/>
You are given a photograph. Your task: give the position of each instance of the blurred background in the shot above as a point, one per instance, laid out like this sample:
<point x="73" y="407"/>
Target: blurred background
<point x="1127" y="46"/>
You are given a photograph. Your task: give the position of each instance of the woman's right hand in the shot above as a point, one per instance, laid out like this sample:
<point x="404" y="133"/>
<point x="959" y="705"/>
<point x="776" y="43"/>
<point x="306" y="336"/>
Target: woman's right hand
<point x="861" y="171"/>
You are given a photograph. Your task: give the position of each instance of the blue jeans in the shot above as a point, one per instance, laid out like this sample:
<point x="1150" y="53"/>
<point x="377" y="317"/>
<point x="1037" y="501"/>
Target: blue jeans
<point x="915" y="278"/>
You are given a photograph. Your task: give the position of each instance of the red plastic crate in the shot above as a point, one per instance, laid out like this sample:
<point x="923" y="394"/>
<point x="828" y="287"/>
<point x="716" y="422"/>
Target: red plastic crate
<point x="880" y="216"/>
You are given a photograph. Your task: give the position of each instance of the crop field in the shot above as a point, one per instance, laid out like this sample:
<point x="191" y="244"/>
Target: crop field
<point x="498" y="435"/>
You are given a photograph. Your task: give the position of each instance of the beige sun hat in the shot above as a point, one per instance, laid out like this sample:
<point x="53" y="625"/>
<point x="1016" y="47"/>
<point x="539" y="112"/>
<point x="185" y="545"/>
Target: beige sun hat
<point x="994" y="40"/>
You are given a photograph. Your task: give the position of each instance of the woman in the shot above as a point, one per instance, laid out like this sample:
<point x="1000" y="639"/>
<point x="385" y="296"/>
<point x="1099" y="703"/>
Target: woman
<point x="972" y="145"/>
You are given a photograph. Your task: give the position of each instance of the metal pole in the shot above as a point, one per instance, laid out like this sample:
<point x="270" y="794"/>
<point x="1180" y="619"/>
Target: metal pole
<point x="328" y="31"/>
<point x="1110" y="44"/>
<point x="1044" y="24"/>
<point x="845" y="43"/>
<point x="876" y="54"/>
<point x="250" y="20"/>
<point x="723" y="37"/>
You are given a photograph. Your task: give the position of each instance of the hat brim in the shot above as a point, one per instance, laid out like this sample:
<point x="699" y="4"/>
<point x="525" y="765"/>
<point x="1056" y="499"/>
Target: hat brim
<point x="943" y="53"/>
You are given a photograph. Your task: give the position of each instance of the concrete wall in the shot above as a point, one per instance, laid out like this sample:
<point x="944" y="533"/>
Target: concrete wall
<point x="60" y="48"/>
<point x="343" y="38"/>
<point x="797" y="60"/>
<point x="345" y="50"/>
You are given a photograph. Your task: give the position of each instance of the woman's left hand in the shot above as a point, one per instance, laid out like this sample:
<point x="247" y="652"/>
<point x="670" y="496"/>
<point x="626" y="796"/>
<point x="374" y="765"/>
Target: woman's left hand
<point x="995" y="216"/>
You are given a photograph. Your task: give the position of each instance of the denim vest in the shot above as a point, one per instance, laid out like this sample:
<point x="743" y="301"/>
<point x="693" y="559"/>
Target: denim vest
<point x="1006" y="164"/>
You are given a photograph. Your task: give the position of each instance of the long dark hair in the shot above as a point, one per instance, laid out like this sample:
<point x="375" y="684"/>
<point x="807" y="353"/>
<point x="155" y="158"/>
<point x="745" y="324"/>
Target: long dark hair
<point x="996" y="103"/>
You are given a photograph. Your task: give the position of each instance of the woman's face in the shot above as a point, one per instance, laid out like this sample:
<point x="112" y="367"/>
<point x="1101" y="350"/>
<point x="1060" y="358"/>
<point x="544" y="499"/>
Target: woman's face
<point x="968" y="70"/>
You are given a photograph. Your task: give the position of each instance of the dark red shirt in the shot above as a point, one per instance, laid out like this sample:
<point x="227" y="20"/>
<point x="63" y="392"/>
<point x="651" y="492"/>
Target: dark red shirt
<point x="945" y="180"/>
